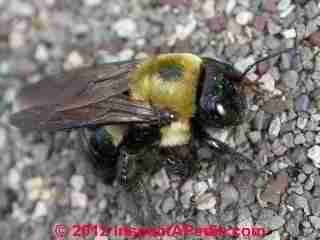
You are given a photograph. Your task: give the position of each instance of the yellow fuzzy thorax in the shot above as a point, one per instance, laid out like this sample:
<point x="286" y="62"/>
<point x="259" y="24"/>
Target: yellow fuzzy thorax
<point x="177" y="94"/>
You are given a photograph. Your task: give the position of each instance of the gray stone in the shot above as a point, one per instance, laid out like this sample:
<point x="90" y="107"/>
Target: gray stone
<point x="125" y="28"/>
<point x="275" y="127"/>
<point x="244" y="17"/>
<point x="290" y="79"/>
<point x="206" y="201"/>
<point x="302" y="122"/>
<point x="307" y="168"/>
<point x="292" y="224"/>
<point x="302" y="103"/>
<point x="168" y="204"/>
<point x="299" y="139"/>
<point x="314" y="155"/>
<point x="315" y="221"/>
<point x="270" y="220"/>
<point x="200" y="188"/>
<point x="77" y="182"/>
<point x="255" y="136"/>
<point x="161" y="180"/>
<point x="309" y="137"/>
<point x="229" y="196"/>
<point x="79" y="199"/>
<point x="259" y="120"/>
<point x="302" y="177"/>
<point x="315" y="206"/>
<point x="288" y="140"/>
<point x="299" y="202"/>
<point x="277" y="148"/>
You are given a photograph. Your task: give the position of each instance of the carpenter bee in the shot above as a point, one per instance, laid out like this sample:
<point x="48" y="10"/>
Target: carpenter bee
<point x="138" y="115"/>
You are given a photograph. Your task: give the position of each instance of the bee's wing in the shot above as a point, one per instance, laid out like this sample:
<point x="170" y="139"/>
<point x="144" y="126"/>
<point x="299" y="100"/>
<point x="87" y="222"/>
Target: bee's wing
<point x="82" y="98"/>
<point x="79" y="85"/>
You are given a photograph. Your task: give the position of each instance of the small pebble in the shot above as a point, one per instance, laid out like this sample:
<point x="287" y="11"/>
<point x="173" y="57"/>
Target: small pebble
<point x="41" y="53"/>
<point x="275" y="127"/>
<point x="41" y="210"/>
<point x="290" y="79"/>
<point x="289" y="33"/>
<point x="74" y="60"/>
<point x="286" y="12"/>
<point x="299" y="139"/>
<point x="255" y="136"/>
<point x="168" y="204"/>
<point x="283" y="5"/>
<point x="217" y="23"/>
<point x="315" y="221"/>
<point x="230" y="6"/>
<point x="302" y="122"/>
<point x="125" y="28"/>
<point x="200" y="188"/>
<point x="314" y="155"/>
<point x="77" y="182"/>
<point x="302" y="103"/>
<point x="206" y="201"/>
<point x="244" y="17"/>
<point x="243" y="63"/>
<point x="79" y="199"/>
<point x="268" y="82"/>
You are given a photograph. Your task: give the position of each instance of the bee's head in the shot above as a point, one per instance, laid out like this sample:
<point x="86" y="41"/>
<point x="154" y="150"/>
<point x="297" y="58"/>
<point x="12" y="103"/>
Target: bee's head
<point x="221" y="102"/>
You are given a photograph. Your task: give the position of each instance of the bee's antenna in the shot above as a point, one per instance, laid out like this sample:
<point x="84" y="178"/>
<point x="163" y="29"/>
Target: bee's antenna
<point x="272" y="55"/>
<point x="264" y="59"/>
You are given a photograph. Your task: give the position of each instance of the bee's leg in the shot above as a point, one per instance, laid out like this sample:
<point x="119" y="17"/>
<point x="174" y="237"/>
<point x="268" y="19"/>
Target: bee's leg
<point x="130" y="177"/>
<point x="179" y="160"/>
<point x="101" y="146"/>
<point x="137" y="156"/>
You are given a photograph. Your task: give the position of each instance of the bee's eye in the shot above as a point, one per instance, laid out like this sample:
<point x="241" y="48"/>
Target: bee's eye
<point x="220" y="109"/>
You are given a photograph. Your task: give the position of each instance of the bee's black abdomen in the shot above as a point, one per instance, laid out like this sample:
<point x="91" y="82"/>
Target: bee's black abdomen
<point x="102" y="152"/>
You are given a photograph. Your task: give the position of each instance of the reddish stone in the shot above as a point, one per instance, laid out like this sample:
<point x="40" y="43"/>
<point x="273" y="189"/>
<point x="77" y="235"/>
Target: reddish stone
<point x="270" y="5"/>
<point x="314" y="39"/>
<point x="260" y="23"/>
<point x="217" y="23"/>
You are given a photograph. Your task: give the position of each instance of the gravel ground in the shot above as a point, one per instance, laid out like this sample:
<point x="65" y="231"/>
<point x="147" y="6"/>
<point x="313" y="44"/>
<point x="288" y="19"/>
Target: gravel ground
<point x="282" y="135"/>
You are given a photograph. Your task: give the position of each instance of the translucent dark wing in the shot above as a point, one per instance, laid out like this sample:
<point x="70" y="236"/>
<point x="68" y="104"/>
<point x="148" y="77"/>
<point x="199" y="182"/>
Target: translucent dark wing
<point x="82" y="98"/>
<point x="113" y="110"/>
<point x="85" y="84"/>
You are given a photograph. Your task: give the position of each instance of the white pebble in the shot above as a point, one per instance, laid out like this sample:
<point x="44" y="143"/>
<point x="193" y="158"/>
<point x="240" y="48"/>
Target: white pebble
<point x="40" y="210"/>
<point x="314" y="155"/>
<point x="125" y="28"/>
<point x="200" y="188"/>
<point x="14" y="178"/>
<point x="208" y="8"/>
<point x="230" y="6"/>
<point x="79" y="199"/>
<point x="287" y="11"/>
<point x="243" y="63"/>
<point x="126" y="54"/>
<point x="74" y="60"/>
<point x="244" y="17"/>
<point x="41" y="54"/>
<point x="77" y="182"/>
<point x="268" y="82"/>
<point x="289" y="33"/>
<point x="283" y="5"/>
<point x="16" y="40"/>
<point x="206" y="201"/>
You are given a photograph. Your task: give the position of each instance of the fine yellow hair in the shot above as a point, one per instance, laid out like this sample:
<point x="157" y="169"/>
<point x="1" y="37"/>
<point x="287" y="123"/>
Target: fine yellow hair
<point x="178" y="95"/>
